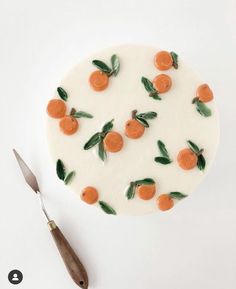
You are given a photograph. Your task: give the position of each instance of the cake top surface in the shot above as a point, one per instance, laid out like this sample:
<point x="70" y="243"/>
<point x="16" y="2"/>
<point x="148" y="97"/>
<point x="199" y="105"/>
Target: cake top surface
<point x="139" y="135"/>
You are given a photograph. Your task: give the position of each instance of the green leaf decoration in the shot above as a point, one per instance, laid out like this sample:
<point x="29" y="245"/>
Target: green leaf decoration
<point x="79" y="114"/>
<point x="150" y="88"/>
<point x="162" y="160"/>
<point x="142" y="121"/>
<point x="98" y="138"/>
<point x="146" y="181"/>
<point x="108" y="126"/>
<point x="62" y="93"/>
<point x="102" y="66"/>
<point x="148" y="115"/>
<point x="193" y="147"/>
<point x="101" y="151"/>
<point x="69" y="177"/>
<point x="95" y="139"/>
<point x="155" y="95"/>
<point x="142" y="117"/>
<point x="148" y="85"/>
<point x="130" y="193"/>
<point x="201" y="163"/>
<point x="107" y="208"/>
<point x="163" y="149"/>
<point x="115" y="64"/>
<point x="177" y="195"/>
<point x="203" y="109"/>
<point x="175" y="59"/>
<point x="61" y="172"/>
<point x="60" y="168"/>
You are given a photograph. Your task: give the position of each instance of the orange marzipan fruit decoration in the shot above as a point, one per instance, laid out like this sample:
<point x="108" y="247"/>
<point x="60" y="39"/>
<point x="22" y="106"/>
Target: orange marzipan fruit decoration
<point x="146" y="192"/>
<point x="56" y="108"/>
<point x="163" y="60"/>
<point x="98" y="80"/>
<point x="69" y="125"/>
<point x="113" y="142"/>
<point x="89" y="195"/>
<point x="162" y="83"/>
<point x="165" y="202"/>
<point x="187" y="159"/>
<point x="204" y="93"/>
<point x="134" y="129"/>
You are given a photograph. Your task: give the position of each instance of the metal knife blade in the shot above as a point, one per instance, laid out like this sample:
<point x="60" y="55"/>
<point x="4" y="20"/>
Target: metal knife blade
<point x="27" y="173"/>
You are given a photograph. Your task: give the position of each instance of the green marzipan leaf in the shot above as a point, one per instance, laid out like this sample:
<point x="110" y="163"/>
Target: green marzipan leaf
<point x="95" y="139"/>
<point x="107" y="208"/>
<point x="203" y="109"/>
<point x="155" y="95"/>
<point x="115" y="64"/>
<point x="163" y="149"/>
<point x="193" y="147"/>
<point x="61" y="172"/>
<point x="148" y="115"/>
<point x="130" y="193"/>
<point x="62" y="93"/>
<point x="177" y="195"/>
<point x="102" y="66"/>
<point x="101" y="152"/>
<point x="201" y="163"/>
<point x="175" y="59"/>
<point x="108" y="126"/>
<point x="69" y="177"/>
<point x="79" y="114"/>
<point x="146" y="181"/>
<point x="148" y="85"/>
<point x="162" y="160"/>
<point x="142" y="121"/>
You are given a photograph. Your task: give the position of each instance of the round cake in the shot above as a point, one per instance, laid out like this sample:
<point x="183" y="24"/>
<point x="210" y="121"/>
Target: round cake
<point x="132" y="130"/>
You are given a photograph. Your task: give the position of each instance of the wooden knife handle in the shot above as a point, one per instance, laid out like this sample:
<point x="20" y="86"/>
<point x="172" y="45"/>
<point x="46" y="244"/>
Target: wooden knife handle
<point x="71" y="260"/>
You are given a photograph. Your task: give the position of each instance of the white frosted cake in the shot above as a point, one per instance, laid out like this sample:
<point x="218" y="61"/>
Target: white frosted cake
<point x="132" y="130"/>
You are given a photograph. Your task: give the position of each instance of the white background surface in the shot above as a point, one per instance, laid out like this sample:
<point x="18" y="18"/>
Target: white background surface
<point x="192" y="246"/>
